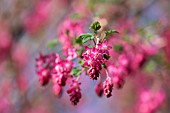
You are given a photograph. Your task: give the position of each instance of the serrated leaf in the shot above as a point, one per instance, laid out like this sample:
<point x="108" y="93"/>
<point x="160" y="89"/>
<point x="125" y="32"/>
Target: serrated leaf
<point x="106" y="56"/>
<point x="95" y="26"/>
<point x="86" y="37"/>
<point x="52" y="43"/>
<point x="109" y="32"/>
<point x="118" y="47"/>
<point x="76" y="71"/>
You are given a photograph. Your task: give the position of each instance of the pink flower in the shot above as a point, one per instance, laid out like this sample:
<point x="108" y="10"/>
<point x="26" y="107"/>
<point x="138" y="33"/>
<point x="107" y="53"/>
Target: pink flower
<point x="44" y="66"/>
<point x="95" y="57"/>
<point x="44" y="76"/>
<point x="71" y="54"/>
<point x="150" y="101"/>
<point x="116" y="70"/>
<point x="108" y="87"/>
<point x="118" y="81"/>
<point x="123" y="60"/>
<point x="57" y="89"/>
<point x="94" y="73"/>
<point x="74" y="92"/>
<point x="99" y="89"/>
<point x="61" y="71"/>
<point x="68" y="31"/>
<point x="104" y="47"/>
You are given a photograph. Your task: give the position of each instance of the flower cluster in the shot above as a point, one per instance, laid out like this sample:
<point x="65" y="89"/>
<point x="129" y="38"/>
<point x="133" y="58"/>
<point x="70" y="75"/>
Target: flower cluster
<point x="99" y="89"/>
<point x="108" y="86"/>
<point x="68" y="30"/>
<point x="128" y="58"/>
<point x="51" y="66"/>
<point x="150" y="101"/>
<point x="95" y="57"/>
<point x="44" y="65"/>
<point x="61" y="71"/>
<point x="74" y="92"/>
<point x="94" y="60"/>
<point x="123" y="54"/>
<point x="115" y="57"/>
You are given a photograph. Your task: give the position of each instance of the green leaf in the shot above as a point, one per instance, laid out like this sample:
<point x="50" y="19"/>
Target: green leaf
<point x="118" y="47"/>
<point x="90" y="46"/>
<point x="86" y="37"/>
<point x="76" y="71"/>
<point x="104" y="66"/>
<point x="81" y="62"/>
<point x="109" y="32"/>
<point x="52" y="43"/>
<point x="95" y="26"/>
<point x="80" y="51"/>
<point x="106" y="56"/>
<point x="78" y="40"/>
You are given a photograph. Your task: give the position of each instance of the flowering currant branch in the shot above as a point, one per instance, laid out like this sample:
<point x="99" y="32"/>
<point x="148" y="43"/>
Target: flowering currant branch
<point x="91" y="60"/>
<point x="114" y="55"/>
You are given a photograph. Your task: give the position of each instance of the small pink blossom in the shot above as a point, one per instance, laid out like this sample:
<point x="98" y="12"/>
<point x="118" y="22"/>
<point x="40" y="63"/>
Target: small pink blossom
<point x="44" y="65"/>
<point x="94" y="58"/>
<point x="68" y="31"/>
<point x="99" y="89"/>
<point x="61" y="71"/>
<point x="108" y="87"/>
<point x="57" y="89"/>
<point x="74" y="92"/>
<point x="71" y="54"/>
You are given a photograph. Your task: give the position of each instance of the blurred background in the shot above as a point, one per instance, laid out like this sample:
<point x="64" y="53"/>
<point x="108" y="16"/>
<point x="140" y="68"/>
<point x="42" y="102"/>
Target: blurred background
<point x="26" y="27"/>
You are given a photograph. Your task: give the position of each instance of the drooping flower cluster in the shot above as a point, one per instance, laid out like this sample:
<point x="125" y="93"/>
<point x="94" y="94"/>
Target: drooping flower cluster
<point x="74" y="92"/>
<point x="94" y="60"/>
<point x="118" y="75"/>
<point x="128" y="57"/>
<point x="44" y="65"/>
<point x="99" y="89"/>
<point x="51" y="66"/>
<point x="139" y="58"/>
<point x="61" y="71"/>
<point x="68" y="31"/>
<point x="108" y="86"/>
<point x="95" y="57"/>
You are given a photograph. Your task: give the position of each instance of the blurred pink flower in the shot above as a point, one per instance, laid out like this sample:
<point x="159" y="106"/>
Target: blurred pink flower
<point x="150" y="101"/>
